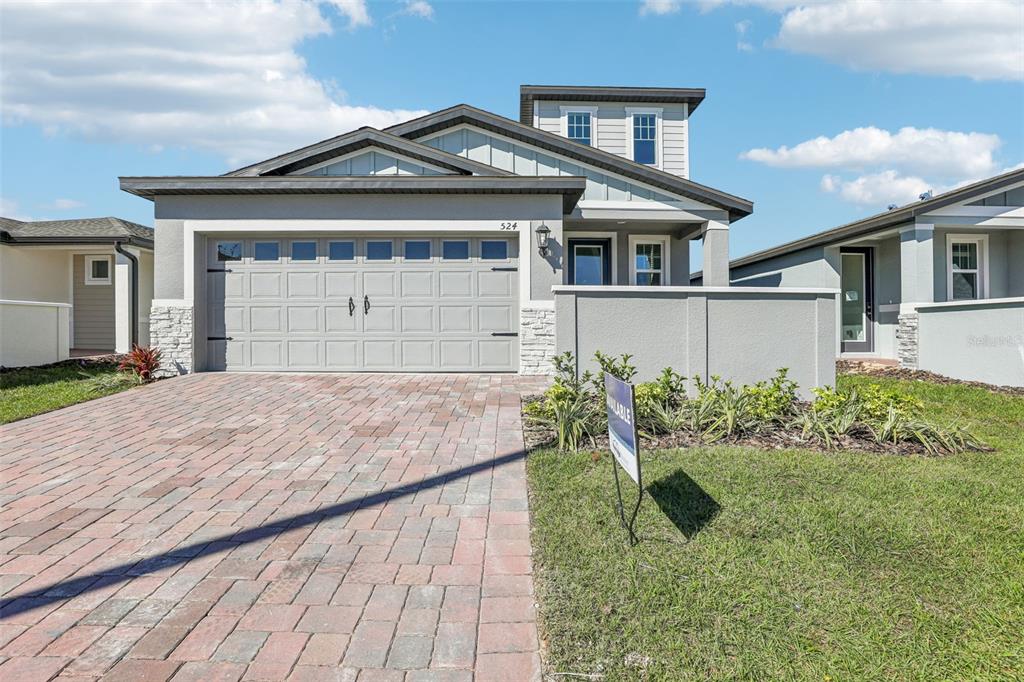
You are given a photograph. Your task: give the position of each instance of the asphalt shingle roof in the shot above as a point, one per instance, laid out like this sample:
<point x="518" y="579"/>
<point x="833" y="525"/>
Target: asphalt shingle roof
<point x="82" y="228"/>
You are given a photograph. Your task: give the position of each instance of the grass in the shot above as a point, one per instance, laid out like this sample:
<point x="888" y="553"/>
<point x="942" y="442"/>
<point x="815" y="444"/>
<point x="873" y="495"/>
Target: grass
<point x="791" y="564"/>
<point x="35" y="390"/>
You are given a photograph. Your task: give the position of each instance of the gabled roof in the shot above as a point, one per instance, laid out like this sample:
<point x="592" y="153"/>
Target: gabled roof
<point x="79" y="231"/>
<point x="888" y="219"/>
<point x="360" y="139"/>
<point x="569" y="187"/>
<point x="586" y="93"/>
<point x="464" y="113"/>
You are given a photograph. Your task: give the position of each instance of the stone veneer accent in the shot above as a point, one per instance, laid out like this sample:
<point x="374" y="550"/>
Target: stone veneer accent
<point x="536" y="340"/>
<point x="906" y="340"/>
<point x="171" y="330"/>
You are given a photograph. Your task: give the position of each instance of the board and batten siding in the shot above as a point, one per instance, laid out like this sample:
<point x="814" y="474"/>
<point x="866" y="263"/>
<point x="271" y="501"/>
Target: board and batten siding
<point x="524" y="160"/>
<point x="93" y="311"/>
<point x="374" y="163"/>
<point x="614" y="130"/>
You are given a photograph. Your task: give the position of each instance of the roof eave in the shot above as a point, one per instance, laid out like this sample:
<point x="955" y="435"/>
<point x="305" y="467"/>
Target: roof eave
<point x="8" y="238"/>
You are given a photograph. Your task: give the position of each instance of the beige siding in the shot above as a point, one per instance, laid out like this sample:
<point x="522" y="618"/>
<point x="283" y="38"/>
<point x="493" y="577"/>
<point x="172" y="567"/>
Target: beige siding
<point x="93" y="310"/>
<point x="614" y="130"/>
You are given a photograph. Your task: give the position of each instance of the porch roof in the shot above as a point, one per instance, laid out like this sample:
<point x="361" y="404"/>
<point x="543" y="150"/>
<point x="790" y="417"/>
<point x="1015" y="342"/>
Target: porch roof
<point x="77" y="231"/>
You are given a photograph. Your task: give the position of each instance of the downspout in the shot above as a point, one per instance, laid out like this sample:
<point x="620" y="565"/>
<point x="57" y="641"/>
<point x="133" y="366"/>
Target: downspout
<point x="134" y="316"/>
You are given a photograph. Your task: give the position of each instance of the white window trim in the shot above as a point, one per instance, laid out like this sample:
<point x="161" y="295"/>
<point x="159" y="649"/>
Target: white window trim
<point x="982" y="241"/>
<point x="666" y="256"/>
<point x="659" y="114"/>
<point x="98" y="281"/>
<point x="566" y="110"/>
<point x="596" y="235"/>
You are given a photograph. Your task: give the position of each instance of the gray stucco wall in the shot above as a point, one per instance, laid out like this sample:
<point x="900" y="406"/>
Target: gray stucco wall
<point x="740" y="335"/>
<point x="1015" y="259"/>
<point x="805" y="268"/>
<point x="973" y="342"/>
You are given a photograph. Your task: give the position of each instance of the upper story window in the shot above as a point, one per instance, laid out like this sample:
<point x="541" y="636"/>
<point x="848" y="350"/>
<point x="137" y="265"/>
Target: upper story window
<point x="579" y="124"/>
<point x="645" y="138"/>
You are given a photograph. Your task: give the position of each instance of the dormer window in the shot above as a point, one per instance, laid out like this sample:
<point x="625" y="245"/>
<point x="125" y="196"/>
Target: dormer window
<point x="579" y="124"/>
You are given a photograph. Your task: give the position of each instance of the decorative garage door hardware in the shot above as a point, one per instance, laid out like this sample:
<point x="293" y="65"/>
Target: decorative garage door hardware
<point x="217" y="270"/>
<point x="219" y="338"/>
<point x="504" y="333"/>
<point x="504" y="269"/>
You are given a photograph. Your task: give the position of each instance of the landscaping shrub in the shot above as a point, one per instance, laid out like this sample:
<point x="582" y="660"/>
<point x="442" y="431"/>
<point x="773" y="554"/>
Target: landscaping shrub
<point x="141" y="361"/>
<point x="573" y="409"/>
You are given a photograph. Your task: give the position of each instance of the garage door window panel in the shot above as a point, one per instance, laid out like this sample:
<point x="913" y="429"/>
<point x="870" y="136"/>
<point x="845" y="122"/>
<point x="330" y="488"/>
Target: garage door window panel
<point x="417" y="250"/>
<point x="303" y="252"/>
<point x="455" y="250"/>
<point x="494" y="250"/>
<point x="267" y="252"/>
<point x="228" y="252"/>
<point x="379" y="251"/>
<point x="341" y="251"/>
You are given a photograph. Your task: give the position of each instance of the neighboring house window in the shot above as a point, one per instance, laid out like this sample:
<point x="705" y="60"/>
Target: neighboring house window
<point x="578" y="126"/>
<point x="967" y="258"/>
<point x="649" y="264"/>
<point x="97" y="270"/>
<point x="645" y="137"/>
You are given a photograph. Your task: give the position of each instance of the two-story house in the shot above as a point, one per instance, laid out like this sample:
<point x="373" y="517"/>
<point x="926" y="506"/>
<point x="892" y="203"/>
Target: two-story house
<point x="443" y="243"/>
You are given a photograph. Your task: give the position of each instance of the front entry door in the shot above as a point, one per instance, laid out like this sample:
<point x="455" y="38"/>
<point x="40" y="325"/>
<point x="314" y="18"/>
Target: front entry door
<point x="857" y="305"/>
<point x="590" y="261"/>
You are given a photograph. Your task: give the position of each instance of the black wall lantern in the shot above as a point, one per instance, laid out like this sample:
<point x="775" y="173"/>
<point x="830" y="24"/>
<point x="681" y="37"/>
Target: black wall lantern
<point x="543" y="232"/>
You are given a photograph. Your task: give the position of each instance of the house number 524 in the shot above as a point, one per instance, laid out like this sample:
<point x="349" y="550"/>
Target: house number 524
<point x="510" y="226"/>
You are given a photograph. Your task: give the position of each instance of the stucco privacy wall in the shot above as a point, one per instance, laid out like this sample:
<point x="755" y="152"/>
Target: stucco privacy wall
<point x="35" y="274"/>
<point x="34" y="333"/>
<point x="739" y="334"/>
<point x="976" y="341"/>
<point x="182" y="221"/>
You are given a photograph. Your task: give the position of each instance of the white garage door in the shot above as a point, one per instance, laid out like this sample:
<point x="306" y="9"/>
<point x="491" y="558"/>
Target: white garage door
<point x="368" y="303"/>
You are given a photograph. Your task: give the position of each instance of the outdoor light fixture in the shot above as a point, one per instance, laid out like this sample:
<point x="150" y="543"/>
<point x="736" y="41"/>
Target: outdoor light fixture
<point x="543" y="232"/>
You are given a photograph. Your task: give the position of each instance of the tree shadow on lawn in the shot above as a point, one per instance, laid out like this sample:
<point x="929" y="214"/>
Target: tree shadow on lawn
<point x="684" y="502"/>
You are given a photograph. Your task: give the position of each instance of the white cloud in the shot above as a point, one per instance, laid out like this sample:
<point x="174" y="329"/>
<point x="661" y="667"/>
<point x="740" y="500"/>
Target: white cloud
<point x="877" y="189"/>
<point x="64" y="204"/>
<point x="921" y="150"/>
<point x="871" y="166"/>
<point x="223" y="77"/>
<point x="742" y="28"/>
<point x="9" y="209"/>
<point x="418" y="8"/>
<point x="356" y="11"/>
<point x="659" y="6"/>
<point x="979" y="39"/>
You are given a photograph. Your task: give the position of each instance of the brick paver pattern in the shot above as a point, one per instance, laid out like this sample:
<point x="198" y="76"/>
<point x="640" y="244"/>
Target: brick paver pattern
<point x="271" y="527"/>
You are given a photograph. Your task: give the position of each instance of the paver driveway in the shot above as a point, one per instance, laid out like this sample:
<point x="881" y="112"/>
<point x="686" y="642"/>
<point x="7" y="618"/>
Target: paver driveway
<point x="267" y="527"/>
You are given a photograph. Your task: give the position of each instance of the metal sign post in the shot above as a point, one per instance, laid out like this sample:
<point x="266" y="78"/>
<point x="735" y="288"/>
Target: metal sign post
<point x="624" y="443"/>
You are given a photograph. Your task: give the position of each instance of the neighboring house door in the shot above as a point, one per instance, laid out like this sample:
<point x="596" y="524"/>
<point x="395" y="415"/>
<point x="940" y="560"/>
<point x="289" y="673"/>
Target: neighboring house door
<point x="590" y="261"/>
<point x="857" y="304"/>
<point x="385" y="302"/>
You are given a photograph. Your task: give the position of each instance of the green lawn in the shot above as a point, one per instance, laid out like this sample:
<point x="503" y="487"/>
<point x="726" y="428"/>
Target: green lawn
<point x="791" y="564"/>
<point x="34" y="390"/>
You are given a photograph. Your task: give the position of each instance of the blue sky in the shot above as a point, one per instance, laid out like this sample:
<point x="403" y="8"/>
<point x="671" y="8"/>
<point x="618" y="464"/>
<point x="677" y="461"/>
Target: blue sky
<point x="903" y="96"/>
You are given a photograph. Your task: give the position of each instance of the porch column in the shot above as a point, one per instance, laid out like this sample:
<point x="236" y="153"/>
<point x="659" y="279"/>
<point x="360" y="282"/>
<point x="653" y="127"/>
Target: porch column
<point x="716" y="254"/>
<point x="122" y="304"/>
<point x="917" y="285"/>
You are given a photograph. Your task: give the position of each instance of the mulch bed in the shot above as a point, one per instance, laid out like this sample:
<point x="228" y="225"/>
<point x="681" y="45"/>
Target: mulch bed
<point x="893" y="372"/>
<point x="110" y="360"/>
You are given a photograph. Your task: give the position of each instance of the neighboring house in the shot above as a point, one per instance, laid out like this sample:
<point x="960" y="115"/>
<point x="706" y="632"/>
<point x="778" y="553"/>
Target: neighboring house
<point x="459" y="241"/>
<point x="936" y="285"/>
<point x="73" y="285"/>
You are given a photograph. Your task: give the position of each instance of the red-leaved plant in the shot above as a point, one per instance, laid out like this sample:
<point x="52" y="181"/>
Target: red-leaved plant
<point x="141" y="361"/>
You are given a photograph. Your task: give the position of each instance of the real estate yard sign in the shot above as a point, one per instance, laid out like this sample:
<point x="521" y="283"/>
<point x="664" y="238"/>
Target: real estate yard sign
<point x="620" y="402"/>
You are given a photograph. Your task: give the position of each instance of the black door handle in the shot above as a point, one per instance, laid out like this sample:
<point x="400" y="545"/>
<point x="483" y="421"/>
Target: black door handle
<point x="351" y="307"/>
<point x="366" y="304"/>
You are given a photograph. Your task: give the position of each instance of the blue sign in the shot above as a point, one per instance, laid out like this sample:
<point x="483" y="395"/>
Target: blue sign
<point x="622" y="436"/>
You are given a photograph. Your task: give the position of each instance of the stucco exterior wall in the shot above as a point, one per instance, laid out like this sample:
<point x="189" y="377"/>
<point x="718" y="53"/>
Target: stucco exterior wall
<point x="33" y="333"/>
<point x="742" y="335"/>
<point x="973" y="341"/>
<point x="35" y="274"/>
